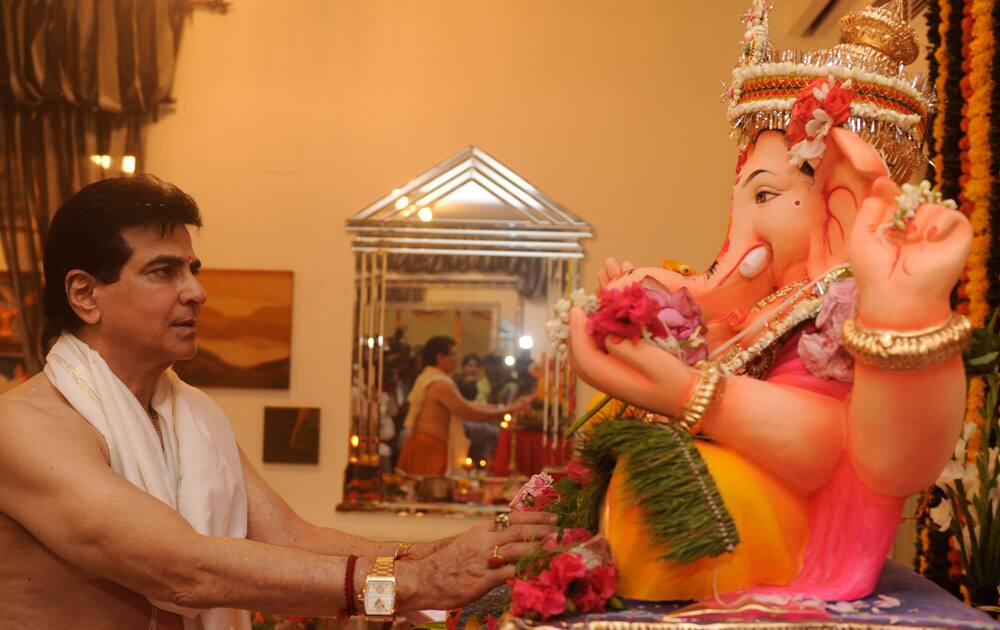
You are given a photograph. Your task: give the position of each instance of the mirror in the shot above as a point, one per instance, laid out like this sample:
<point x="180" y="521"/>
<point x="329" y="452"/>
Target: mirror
<point x="471" y="251"/>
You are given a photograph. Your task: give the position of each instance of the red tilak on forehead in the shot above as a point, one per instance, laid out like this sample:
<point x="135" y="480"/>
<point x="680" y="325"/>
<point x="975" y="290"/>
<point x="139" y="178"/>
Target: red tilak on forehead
<point x="188" y="259"/>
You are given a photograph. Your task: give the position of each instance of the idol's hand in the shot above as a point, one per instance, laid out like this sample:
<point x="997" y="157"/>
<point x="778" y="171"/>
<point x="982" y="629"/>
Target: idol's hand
<point x="640" y="374"/>
<point x="462" y="571"/>
<point x="612" y="271"/>
<point x="905" y="279"/>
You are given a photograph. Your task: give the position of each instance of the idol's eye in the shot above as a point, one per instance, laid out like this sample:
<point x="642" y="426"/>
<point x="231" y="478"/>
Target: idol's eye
<point x="764" y="195"/>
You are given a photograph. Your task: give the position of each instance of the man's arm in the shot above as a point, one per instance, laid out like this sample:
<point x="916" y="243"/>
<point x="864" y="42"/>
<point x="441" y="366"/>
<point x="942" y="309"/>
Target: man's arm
<point x="273" y="521"/>
<point x="446" y="393"/>
<point x="59" y="487"/>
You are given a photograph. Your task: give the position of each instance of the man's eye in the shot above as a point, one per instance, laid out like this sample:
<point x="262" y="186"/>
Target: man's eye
<point x="164" y="272"/>
<point x="763" y="196"/>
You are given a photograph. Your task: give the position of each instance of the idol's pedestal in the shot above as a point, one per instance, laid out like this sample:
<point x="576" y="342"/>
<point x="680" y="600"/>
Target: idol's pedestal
<point x="922" y="605"/>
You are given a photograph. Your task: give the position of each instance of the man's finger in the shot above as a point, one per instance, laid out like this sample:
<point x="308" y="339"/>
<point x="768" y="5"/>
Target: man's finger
<point x="501" y="575"/>
<point x="512" y="552"/>
<point x="524" y="533"/>
<point x="532" y="518"/>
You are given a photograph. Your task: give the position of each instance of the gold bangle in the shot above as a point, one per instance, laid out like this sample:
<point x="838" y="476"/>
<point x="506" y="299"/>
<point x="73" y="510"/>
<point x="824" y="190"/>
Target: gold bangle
<point x="709" y="388"/>
<point x="911" y="350"/>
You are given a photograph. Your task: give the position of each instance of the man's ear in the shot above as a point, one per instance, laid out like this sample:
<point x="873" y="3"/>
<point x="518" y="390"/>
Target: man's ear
<point x="81" y="293"/>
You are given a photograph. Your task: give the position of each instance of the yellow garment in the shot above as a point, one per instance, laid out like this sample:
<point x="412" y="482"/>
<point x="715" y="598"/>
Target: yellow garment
<point x="770" y="519"/>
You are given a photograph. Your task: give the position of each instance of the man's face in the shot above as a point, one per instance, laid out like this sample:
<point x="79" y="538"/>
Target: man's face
<point x="153" y="308"/>
<point x="471" y="369"/>
<point x="448" y="362"/>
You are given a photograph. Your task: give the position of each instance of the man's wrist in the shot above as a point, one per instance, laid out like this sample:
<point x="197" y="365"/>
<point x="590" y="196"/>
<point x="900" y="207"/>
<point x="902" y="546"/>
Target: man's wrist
<point x="408" y="576"/>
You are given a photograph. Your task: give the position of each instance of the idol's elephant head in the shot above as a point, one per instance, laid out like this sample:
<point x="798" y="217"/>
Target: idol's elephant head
<point x="786" y="223"/>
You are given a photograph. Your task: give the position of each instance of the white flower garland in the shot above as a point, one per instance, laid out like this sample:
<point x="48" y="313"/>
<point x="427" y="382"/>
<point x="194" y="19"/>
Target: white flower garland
<point x="557" y="329"/>
<point x="860" y="110"/>
<point x="786" y="68"/>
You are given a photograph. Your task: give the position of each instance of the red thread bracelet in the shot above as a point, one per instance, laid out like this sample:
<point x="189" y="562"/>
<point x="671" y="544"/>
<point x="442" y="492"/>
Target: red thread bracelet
<point x="350" y="603"/>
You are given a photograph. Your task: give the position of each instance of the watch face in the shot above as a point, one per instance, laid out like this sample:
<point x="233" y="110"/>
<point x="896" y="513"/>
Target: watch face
<point x="380" y="596"/>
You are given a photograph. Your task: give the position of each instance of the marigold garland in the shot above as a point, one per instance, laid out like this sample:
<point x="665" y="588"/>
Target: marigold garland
<point x="977" y="188"/>
<point x="965" y="145"/>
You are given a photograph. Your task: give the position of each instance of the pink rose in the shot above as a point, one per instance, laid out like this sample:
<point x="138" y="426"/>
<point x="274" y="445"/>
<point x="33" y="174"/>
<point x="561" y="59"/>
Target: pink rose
<point x="577" y="472"/>
<point x="570" y="536"/>
<point x="679" y="313"/>
<point x="839" y="305"/>
<point x="597" y="588"/>
<point x="822" y="352"/>
<point x="563" y="569"/>
<point x="536" y="596"/>
<point x="534" y="495"/>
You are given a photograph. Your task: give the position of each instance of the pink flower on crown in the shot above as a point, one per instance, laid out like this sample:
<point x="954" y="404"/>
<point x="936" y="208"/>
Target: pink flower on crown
<point x="819" y="106"/>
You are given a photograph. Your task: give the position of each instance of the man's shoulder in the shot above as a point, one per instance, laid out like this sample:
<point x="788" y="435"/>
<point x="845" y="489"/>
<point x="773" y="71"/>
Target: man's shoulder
<point x="34" y="413"/>
<point x="441" y="385"/>
<point x="35" y="398"/>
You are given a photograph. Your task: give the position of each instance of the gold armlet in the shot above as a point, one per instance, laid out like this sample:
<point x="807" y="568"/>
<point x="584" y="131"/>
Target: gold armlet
<point x="708" y="390"/>
<point x="911" y="350"/>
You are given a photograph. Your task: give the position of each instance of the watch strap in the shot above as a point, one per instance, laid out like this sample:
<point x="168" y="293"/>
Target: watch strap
<point x="384" y="567"/>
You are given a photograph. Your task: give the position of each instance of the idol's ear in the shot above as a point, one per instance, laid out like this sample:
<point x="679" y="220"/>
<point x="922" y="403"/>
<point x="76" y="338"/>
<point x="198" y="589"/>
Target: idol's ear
<point x="844" y="177"/>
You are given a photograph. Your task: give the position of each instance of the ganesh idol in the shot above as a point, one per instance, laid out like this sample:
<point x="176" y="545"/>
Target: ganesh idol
<point x="834" y="386"/>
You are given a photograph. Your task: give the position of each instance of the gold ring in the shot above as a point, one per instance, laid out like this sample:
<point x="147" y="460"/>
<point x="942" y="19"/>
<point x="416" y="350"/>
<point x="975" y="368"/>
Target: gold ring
<point x="502" y="521"/>
<point x="495" y="561"/>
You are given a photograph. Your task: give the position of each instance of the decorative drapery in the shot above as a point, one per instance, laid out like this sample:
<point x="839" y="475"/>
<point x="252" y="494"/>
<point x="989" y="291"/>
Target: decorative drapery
<point x="77" y="78"/>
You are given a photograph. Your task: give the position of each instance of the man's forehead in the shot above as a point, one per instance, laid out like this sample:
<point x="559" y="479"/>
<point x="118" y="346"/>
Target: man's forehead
<point x="149" y="241"/>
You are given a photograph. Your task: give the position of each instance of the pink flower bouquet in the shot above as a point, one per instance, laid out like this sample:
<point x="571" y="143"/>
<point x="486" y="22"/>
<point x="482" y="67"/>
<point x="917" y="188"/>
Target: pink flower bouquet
<point x="649" y="311"/>
<point x="572" y="573"/>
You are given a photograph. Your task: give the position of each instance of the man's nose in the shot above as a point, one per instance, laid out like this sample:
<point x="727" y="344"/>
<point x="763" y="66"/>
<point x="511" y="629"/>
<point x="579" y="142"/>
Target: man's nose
<point x="193" y="291"/>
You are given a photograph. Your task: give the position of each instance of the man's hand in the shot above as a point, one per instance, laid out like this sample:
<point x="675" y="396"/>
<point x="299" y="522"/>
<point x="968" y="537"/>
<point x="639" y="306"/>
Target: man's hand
<point x="522" y="404"/>
<point x="459" y="573"/>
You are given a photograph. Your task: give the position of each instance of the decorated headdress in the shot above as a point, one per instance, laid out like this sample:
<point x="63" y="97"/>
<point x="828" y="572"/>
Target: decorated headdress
<point x="860" y="83"/>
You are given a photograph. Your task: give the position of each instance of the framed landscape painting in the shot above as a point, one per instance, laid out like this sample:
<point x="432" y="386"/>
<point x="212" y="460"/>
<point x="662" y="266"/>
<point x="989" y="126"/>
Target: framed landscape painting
<point x="244" y="331"/>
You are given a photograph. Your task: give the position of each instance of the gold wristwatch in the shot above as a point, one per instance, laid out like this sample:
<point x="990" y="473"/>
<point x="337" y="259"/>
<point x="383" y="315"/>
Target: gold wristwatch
<point x="379" y="595"/>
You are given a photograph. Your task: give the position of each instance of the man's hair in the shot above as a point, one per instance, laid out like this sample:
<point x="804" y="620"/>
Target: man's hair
<point x="436" y="346"/>
<point x="470" y="358"/>
<point x="86" y="234"/>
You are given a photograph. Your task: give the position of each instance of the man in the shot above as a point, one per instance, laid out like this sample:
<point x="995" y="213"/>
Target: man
<point x="437" y="442"/>
<point x="125" y="501"/>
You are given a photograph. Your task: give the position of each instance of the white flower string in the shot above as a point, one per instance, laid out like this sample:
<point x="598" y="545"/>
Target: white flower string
<point x="557" y="329"/>
<point x="907" y="204"/>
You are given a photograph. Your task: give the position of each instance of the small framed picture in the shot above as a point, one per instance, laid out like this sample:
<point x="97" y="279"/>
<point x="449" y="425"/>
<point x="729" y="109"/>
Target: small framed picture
<point x="291" y="435"/>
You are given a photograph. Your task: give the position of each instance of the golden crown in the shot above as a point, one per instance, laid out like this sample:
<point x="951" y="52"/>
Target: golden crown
<point x="889" y="108"/>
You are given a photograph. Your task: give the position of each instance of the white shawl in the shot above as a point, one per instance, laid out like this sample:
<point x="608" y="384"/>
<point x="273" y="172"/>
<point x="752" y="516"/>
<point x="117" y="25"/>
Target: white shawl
<point x="197" y="471"/>
<point x="458" y="443"/>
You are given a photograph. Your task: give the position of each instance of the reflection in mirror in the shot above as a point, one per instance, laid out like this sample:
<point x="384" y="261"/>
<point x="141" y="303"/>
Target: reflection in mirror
<point x="456" y="397"/>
